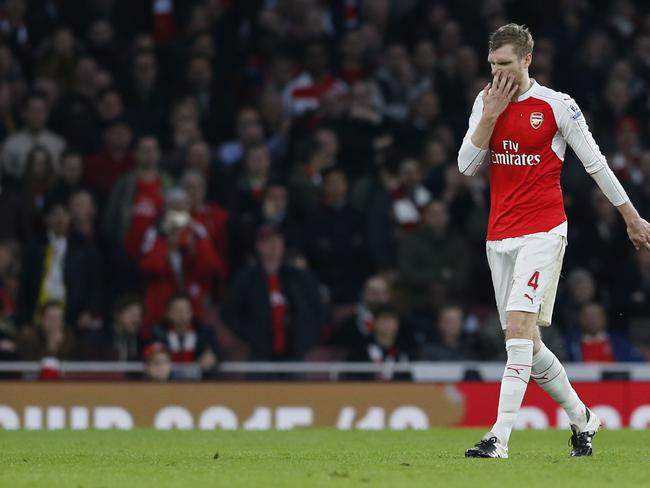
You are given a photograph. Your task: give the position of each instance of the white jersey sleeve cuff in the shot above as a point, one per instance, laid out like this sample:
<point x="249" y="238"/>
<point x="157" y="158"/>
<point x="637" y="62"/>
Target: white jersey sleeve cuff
<point x="610" y="186"/>
<point x="470" y="157"/>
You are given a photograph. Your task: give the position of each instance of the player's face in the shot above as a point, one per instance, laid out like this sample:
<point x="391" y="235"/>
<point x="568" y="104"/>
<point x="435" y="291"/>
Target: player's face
<point x="505" y="60"/>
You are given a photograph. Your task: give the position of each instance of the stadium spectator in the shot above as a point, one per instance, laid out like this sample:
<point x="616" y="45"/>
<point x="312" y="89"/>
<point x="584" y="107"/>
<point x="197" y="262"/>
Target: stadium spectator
<point x="276" y="308"/>
<point x="213" y="217"/>
<point x="144" y="93"/>
<point x="185" y="132"/>
<point x="199" y="76"/>
<point x="39" y="179"/>
<point x="10" y="263"/>
<point x="395" y="205"/>
<point x="304" y="95"/>
<point x="382" y="347"/>
<point x="631" y="290"/>
<point x="334" y="241"/>
<point x="187" y="339"/>
<point x="250" y="182"/>
<point x="120" y="339"/>
<point x="393" y="83"/>
<point x="15" y="223"/>
<point x="106" y="166"/>
<point x="177" y="256"/>
<point x="248" y="132"/>
<point x="157" y="363"/>
<point x="360" y="131"/>
<point x="136" y="200"/>
<point x="75" y="117"/>
<point x="48" y="336"/>
<point x="452" y="343"/>
<point x="275" y="210"/>
<point x="354" y="328"/>
<point x="70" y="176"/>
<point x="580" y="290"/>
<point x="433" y="263"/>
<point x="595" y="342"/>
<point x="83" y="215"/>
<point x="18" y="146"/>
<point x="65" y="267"/>
<point x="601" y="249"/>
<point x="306" y="179"/>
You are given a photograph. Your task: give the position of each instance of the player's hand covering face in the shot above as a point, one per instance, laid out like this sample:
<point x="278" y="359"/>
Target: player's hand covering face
<point x="498" y="94"/>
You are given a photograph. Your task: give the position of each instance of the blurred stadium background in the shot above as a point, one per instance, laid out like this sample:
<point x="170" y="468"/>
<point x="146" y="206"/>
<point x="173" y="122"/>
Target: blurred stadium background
<point x="229" y="213"/>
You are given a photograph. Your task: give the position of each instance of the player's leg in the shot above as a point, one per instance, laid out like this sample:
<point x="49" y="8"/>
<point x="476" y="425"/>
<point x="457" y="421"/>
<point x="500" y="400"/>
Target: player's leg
<point x="520" y="330"/>
<point x="502" y="257"/>
<point x="549" y="373"/>
<point x="531" y="272"/>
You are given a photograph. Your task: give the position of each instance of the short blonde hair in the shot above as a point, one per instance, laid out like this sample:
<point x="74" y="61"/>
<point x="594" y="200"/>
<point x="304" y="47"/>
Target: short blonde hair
<point x="517" y="35"/>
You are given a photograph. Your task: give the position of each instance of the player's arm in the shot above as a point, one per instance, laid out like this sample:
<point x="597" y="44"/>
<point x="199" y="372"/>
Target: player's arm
<point x="574" y="128"/>
<point x="486" y="110"/>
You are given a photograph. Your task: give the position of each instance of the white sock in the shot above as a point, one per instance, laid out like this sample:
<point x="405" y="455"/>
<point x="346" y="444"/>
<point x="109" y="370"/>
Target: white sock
<point x="549" y="373"/>
<point x="513" y="386"/>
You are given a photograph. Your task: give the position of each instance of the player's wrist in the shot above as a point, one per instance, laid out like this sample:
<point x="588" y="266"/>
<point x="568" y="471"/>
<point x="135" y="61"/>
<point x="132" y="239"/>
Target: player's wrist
<point x="629" y="214"/>
<point x="489" y="118"/>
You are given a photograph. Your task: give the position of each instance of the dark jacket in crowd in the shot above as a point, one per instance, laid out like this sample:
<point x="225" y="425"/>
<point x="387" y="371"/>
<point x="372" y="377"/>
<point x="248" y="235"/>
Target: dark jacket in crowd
<point x="246" y="310"/>
<point x="82" y="279"/>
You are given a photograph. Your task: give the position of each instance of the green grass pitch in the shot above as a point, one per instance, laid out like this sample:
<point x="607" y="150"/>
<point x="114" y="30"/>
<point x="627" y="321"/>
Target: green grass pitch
<point x="313" y="457"/>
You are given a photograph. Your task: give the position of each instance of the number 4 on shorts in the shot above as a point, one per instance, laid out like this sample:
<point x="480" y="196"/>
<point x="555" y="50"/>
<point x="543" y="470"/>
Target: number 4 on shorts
<point x="533" y="282"/>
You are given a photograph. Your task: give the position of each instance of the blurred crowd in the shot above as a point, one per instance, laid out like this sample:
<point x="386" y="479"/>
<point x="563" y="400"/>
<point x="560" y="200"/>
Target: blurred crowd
<point x="206" y="180"/>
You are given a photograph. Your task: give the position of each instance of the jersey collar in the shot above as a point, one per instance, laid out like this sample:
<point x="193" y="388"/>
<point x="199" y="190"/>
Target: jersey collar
<point x="528" y="93"/>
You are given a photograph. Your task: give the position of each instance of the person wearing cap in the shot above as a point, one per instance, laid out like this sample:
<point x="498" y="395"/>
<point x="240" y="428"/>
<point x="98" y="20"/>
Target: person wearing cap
<point x="157" y="362"/>
<point x="177" y="256"/>
<point x="273" y="306"/>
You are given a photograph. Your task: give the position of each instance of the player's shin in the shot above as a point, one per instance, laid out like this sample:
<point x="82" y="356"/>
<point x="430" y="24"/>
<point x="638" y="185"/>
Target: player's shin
<point x="513" y="386"/>
<point x="549" y="373"/>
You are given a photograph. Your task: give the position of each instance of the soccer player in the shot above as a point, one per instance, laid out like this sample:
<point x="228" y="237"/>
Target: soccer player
<point x="522" y="129"/>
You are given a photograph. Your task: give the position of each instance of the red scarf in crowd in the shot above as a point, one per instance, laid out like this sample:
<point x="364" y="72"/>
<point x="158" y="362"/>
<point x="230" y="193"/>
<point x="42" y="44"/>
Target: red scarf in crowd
<point x="278" y="314"/>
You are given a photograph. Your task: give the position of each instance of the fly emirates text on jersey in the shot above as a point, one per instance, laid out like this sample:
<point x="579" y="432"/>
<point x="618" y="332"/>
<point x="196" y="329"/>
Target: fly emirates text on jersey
<point x="514" y="158"/>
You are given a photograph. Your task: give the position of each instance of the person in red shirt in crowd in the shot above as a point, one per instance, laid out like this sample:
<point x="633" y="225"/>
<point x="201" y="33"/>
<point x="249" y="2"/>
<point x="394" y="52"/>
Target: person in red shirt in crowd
<point x="136" y="201"/>
<point x="304" y="95"/>
<point x="186" y="338"/>
<point x="105" y="167"/>
<point x="593" y="342"/>
<point x="211" y="215"/>
<point x="178" y="256"/>
<point x="276" y="308"/>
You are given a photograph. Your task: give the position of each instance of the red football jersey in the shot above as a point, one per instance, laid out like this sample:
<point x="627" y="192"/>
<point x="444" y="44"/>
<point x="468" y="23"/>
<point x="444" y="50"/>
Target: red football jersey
<point x="525" y="193"/>
<point x="526" y="154"/>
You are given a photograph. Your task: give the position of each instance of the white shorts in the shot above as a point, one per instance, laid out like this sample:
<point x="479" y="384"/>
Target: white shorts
<point x="525" y="273"/>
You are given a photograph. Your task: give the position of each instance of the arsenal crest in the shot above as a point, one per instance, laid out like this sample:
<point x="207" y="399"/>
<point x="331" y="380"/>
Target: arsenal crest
<point x="536" y="119"/>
